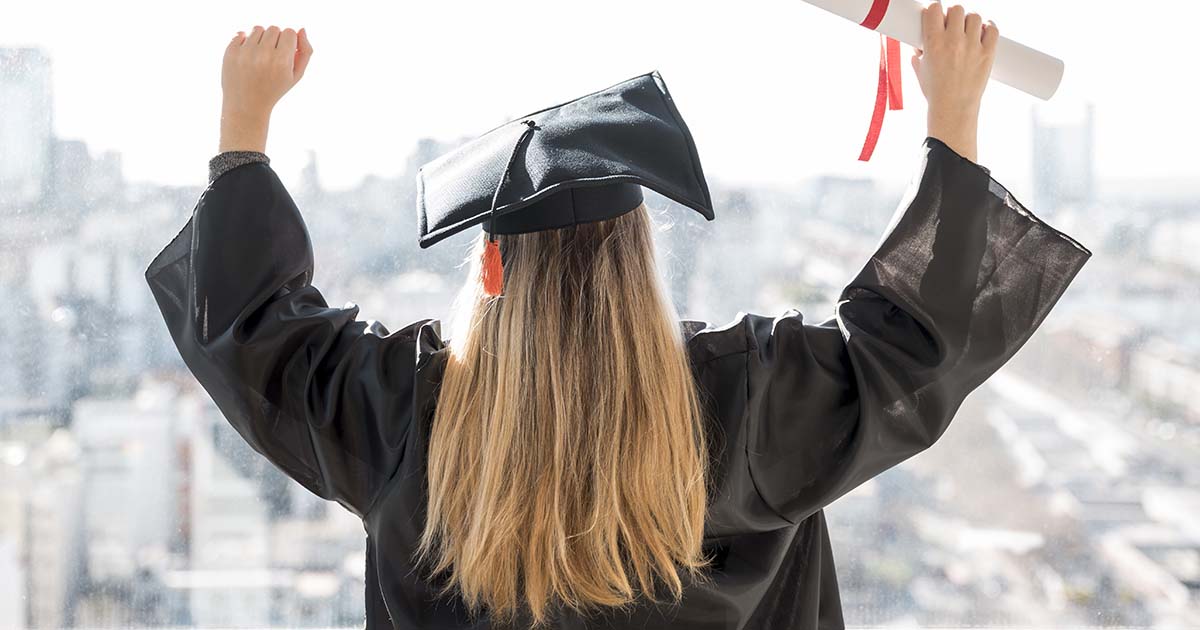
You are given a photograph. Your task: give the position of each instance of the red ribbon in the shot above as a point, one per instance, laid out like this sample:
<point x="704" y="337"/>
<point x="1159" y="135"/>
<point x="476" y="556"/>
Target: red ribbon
<point x="888" y="93"/>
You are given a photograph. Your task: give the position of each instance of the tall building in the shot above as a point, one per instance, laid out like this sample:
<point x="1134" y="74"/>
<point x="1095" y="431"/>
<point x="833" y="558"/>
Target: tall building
<point x="26" y="128"/>
<point x="41" y="536"/>
<point x="55" y="522"/>
<point x="127" y="447"/>
<point x="1063" y="157"/>
<point x="12" y="587"/>
<point x="14" y="496"/>
<point x="229" y="583"/>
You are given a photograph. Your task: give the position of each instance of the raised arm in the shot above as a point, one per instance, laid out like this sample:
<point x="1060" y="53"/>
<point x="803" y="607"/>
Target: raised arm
<point x="960" y="281"/>
<point x="258" y="69"/>
<point x="325" y="396"/>
<point x="953" y="71"/>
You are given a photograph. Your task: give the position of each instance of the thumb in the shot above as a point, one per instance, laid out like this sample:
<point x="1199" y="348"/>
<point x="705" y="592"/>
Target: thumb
<point x="304" y="51"/>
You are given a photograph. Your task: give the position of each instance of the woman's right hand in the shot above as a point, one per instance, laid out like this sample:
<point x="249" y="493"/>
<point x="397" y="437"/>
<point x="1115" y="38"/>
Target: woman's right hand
<point x="953" y="70"/>
<point x="258" y="69"/>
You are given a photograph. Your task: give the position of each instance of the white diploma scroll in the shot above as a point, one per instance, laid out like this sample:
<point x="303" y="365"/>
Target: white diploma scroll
<point x="1017" y="65"/>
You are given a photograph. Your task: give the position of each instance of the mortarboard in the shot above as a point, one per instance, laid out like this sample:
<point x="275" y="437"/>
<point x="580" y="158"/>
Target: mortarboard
<point x="582" y="161"/>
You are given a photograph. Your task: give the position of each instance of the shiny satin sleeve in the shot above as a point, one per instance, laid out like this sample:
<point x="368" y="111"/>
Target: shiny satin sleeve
<point x="324" y="396"/>
<point x="962" y="277"/>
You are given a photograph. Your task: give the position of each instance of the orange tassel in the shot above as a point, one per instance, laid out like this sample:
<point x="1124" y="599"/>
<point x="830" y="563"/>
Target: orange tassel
<point x="493" y="269"/>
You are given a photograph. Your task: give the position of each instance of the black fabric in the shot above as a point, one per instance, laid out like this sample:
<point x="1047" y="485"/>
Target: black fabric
<point x="799" y="413"/>
<point x="229" y="159"/>
<point x="629" y="133"/>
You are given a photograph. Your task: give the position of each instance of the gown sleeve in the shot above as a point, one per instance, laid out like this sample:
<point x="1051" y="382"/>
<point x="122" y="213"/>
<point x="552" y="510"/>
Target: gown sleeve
<point x="962" y="277"/>
<point x="325" y="397"/>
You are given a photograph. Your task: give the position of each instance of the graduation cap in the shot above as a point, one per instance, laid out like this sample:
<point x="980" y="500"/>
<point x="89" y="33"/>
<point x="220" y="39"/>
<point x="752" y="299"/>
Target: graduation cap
<point x="582" y="161"/>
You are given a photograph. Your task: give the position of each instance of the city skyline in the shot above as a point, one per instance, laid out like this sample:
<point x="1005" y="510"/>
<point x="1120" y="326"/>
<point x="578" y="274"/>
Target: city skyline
<point x="165" y="126"/>
<point x="1065" y="493"/>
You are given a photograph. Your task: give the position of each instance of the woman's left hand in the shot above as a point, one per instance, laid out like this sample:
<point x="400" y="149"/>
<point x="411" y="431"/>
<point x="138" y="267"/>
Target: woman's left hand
<point x="258" y="69"/>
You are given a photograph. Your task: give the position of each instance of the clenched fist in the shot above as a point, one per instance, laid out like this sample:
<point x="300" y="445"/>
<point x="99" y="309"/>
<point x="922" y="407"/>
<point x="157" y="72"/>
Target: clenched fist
<point x="953" y="69"/>
<point x="258" y="69"/>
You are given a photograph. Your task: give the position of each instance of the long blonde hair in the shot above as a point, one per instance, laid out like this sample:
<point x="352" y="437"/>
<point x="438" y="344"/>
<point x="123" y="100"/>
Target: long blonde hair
<point x="567" y="460"/>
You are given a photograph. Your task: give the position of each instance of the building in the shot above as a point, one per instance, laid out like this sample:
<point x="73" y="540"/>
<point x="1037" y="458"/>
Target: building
<point x="55" y="531"/>
<point x="229" y="582"/>
<point x="1168" y="374"/>
<point x="26" y="128"/>
<point x="1063" y="156"/>
<point x="127" y="450"/>
<point x="12" y="587"/>
<point x="40" y="531"/>
<point x="1172" y="242"/>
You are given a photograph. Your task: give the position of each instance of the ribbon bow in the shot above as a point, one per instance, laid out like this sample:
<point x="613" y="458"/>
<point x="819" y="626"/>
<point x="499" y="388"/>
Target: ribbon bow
<point x="888" y="94"/>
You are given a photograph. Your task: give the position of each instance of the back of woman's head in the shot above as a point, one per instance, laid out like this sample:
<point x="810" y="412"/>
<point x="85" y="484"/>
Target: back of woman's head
<point x="567" y="459"/>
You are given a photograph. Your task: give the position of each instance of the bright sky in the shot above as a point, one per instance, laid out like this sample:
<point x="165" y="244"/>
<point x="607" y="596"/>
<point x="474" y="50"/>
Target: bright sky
<point x="773" y="90"/>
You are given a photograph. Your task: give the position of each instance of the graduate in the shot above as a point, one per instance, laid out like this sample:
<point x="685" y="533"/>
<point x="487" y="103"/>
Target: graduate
<point x="571" y="454"/>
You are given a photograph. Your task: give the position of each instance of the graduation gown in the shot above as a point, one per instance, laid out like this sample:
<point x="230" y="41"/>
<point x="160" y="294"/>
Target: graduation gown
<point x="800" y="412"/>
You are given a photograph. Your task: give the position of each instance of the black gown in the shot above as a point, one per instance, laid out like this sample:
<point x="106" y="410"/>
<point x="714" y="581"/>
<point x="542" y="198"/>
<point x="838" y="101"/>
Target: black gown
<point x="800" y="413"/>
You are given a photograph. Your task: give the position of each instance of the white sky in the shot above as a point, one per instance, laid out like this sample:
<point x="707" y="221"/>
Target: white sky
<point x="772" y="89"/>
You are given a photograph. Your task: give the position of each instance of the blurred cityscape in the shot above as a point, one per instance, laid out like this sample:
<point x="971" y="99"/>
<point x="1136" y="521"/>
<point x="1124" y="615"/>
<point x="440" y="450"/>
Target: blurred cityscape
<point x="1066" y="492"/>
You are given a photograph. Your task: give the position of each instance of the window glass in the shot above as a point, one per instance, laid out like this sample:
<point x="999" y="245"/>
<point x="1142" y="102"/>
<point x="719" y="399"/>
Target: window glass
<point x="1064" y="493"/>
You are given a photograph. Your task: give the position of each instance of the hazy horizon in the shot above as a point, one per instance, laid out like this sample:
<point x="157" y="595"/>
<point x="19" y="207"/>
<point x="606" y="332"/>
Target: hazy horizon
<point x="746" y="81"/>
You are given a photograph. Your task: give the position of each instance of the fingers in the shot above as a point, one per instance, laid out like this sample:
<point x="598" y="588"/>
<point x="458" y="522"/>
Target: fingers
<point x="287" y="41"/>
<point x="255" y="36"/>
<point x="974" y="27"/>
<point x="991" y="35"/>
<point x="933" y="21"/>
<point x="304" y="52"/>
<point x="955" y="19"/>
<point x="270" y="38"/>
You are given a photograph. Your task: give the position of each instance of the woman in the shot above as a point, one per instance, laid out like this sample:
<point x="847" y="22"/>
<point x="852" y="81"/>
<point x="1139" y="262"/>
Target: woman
<point x="572" y="456"/>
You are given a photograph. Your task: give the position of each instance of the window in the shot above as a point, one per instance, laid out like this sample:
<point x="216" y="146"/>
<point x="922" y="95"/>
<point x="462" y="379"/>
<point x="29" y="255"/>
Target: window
<point x="1066" y="491"/>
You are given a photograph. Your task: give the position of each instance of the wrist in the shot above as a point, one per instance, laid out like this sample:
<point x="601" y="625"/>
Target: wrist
<point x="958" y="132"/>
<point x="244" y="130"/>
<point x="964" y="146"/>
<point x="965" y="118"/>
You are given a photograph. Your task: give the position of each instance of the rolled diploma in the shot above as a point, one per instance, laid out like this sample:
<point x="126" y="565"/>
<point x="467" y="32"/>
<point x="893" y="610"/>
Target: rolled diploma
<point x="1017" y="65"/>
